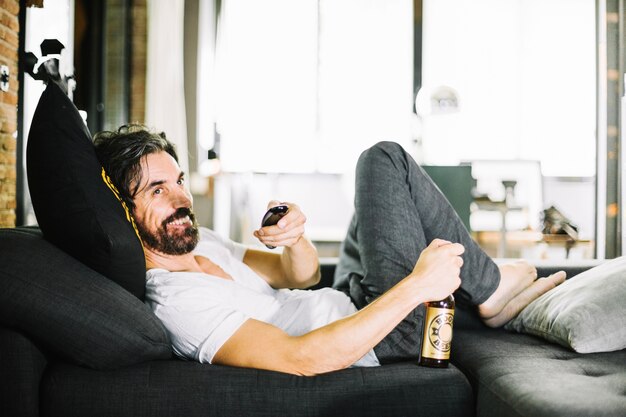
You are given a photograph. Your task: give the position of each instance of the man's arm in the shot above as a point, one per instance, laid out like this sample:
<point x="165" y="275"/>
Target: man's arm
<point x="298" y="265"/>
<point x="341" y="343"/>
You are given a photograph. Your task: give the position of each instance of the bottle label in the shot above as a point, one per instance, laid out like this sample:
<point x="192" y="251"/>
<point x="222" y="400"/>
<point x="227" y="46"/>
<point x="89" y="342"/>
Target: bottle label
<point x="437" y="333"/>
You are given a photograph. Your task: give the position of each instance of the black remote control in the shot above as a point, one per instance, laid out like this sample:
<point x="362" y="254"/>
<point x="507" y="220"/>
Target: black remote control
<point x="272" y="216"/>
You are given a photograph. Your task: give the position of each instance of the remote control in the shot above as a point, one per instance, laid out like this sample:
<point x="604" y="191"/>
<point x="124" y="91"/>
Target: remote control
<point x="272" y="216"/>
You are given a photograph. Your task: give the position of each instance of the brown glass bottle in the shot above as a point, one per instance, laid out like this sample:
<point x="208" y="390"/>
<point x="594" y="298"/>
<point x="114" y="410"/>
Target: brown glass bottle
<point x="437" y="336"/>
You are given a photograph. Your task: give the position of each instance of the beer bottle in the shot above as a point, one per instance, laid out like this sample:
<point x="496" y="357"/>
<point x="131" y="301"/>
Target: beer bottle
<point x="437" y="337"/>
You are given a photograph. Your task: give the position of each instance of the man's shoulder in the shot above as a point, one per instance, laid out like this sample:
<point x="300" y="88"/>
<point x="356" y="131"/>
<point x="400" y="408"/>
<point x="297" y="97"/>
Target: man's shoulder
<point x="215" y="244"/>
<point x="206" y="233"/>
<point x="209" y="235"/>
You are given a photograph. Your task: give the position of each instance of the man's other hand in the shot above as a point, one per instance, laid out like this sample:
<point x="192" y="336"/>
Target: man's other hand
<point x="437" y="271"/>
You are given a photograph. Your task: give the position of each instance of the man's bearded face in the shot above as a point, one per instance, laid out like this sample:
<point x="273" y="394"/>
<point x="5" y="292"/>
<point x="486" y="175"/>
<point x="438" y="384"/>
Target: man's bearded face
<point x="178" y="234"/>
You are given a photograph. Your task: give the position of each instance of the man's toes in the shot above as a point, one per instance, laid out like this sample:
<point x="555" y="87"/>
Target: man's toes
<point x="541" y="286"/>
<point x="558" y="277"/>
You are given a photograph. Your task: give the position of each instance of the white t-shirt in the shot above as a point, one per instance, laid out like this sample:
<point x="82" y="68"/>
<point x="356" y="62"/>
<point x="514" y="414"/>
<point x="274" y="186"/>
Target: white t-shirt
<point x="201" y="311"/>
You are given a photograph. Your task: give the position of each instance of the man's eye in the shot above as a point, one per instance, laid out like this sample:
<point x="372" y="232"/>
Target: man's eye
<point x="180" y="181"/>
<point x="158" y="191"/>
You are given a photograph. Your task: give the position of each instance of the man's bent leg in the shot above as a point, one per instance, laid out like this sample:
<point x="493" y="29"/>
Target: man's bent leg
<point x="398" y="212"/>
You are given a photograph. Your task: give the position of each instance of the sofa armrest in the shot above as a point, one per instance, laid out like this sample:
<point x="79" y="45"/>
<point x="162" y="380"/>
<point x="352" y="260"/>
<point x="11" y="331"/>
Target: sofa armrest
<point x="21" y="367"/>
<point x="571" y="267"/>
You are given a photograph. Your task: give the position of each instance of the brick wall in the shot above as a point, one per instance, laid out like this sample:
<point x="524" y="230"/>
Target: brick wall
<point x="9" y="42"/>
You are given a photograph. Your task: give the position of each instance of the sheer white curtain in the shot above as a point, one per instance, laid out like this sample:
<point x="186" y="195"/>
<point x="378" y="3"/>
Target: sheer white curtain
<point x="165" y="101"/>
<point x="205" y="99"/>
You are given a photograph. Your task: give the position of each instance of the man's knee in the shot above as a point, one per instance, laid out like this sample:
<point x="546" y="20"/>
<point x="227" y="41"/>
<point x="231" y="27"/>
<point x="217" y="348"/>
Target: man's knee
<point x="387" y="148"/>
<point x="383" y="152"/>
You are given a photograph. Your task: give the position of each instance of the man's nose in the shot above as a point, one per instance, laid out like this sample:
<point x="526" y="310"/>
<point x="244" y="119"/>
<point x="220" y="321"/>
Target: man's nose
<point x="181" y="197"/>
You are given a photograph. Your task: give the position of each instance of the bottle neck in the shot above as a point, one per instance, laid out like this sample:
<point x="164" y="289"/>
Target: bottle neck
<point x="447" y="302"/>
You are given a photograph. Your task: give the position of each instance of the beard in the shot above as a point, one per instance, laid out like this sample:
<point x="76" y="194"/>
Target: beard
<point x="171" y="243"/>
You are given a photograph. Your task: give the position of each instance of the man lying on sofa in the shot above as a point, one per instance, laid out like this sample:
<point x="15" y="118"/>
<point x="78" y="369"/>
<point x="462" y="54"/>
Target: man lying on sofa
<point x="227" y="304"/>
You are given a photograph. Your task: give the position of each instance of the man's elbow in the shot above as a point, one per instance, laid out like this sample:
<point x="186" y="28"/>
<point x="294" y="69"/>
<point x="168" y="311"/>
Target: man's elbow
<point x="307" y="360"/>
<point x="313" y="279"/>
<point x="316" y="277"/>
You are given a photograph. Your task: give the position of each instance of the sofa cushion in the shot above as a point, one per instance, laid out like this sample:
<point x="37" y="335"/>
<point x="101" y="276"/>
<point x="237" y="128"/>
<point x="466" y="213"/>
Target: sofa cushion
<point x="586" y="313"/>
<point x="75" y="208"/>
<point x="518" y="375"/>
<point x="180" y="388"/>
<point x="72" y="310"/>
<point x="21" y="365"/>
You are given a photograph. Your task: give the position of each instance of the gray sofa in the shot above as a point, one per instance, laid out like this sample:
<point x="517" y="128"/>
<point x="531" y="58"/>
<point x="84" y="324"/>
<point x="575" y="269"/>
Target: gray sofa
<point x="519" y="375"/>
<point x="53" y="362"/>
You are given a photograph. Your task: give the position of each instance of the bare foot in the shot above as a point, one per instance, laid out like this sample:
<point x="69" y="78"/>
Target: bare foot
<point x="514" y="278"/>
<point x="530" y="293"/>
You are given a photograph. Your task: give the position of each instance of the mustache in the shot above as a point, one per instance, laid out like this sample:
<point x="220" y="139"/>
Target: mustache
<point x="179" y="214"/>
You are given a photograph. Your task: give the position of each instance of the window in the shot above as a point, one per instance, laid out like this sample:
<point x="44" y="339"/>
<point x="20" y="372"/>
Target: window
<point x="524" y="75"/>
<point x="305" y="86"/>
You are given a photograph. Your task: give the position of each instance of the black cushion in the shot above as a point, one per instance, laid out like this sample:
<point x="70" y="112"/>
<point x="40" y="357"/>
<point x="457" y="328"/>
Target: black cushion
<point x="75" y="208"/>
<point x="72" y="310"/>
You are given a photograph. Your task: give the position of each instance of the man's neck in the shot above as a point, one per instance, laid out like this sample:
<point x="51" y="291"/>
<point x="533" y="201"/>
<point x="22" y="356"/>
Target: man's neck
<point x="186" y="262"/>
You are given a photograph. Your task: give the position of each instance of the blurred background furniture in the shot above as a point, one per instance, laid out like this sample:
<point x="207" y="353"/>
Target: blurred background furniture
<point x="456" y="183"/>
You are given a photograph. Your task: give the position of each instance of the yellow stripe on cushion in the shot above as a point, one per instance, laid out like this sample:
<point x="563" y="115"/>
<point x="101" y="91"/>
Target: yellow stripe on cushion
<point x="129" y="216"/>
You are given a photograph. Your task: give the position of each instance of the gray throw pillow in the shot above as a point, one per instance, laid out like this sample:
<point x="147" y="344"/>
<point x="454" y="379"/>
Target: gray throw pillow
<point x="70" y="309"/>
<point x="587" y="313"/>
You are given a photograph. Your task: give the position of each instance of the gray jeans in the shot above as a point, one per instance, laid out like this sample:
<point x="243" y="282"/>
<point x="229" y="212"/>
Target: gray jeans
<point x="398" y="212"/>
